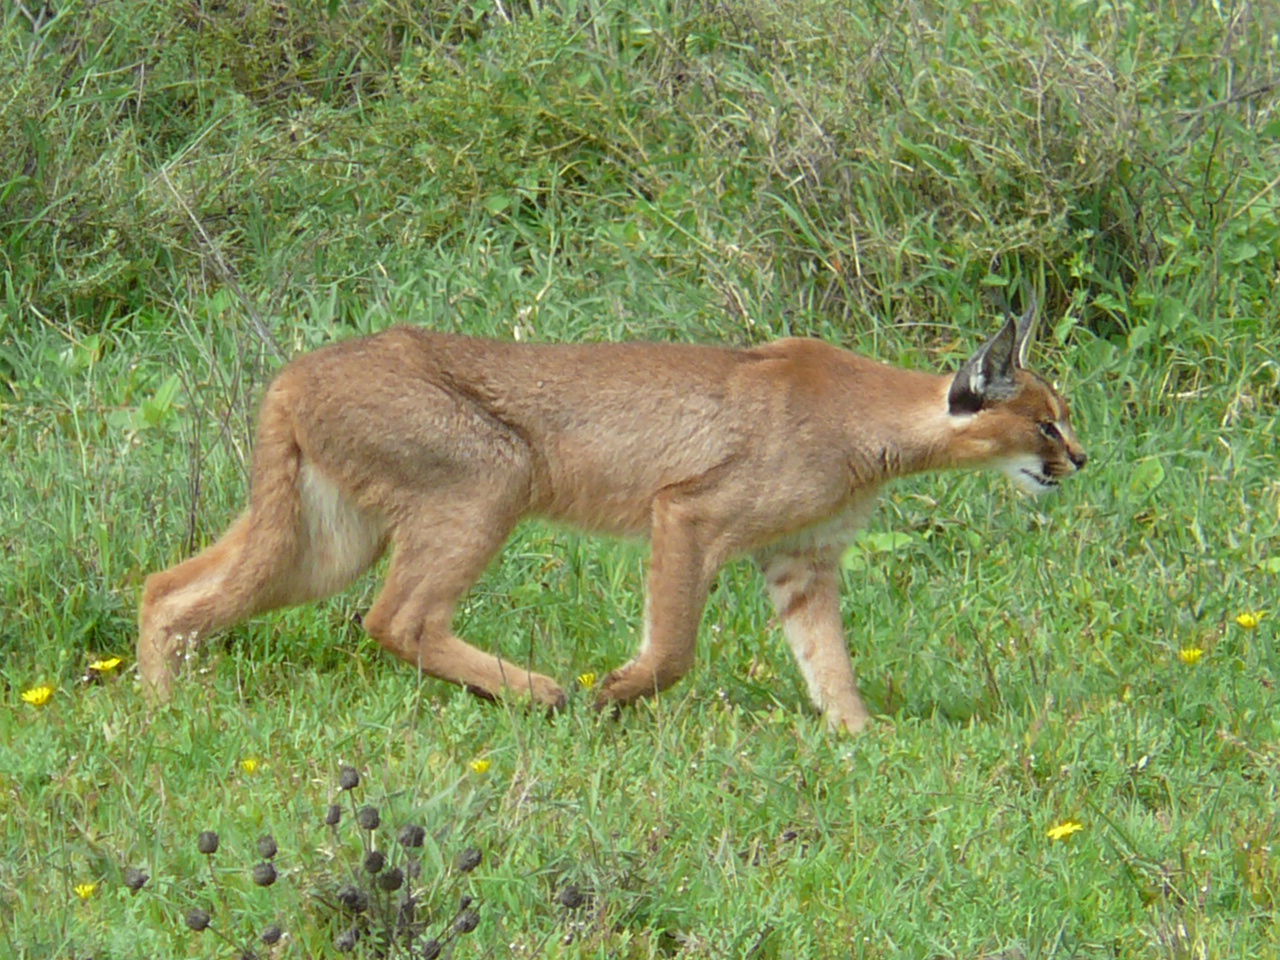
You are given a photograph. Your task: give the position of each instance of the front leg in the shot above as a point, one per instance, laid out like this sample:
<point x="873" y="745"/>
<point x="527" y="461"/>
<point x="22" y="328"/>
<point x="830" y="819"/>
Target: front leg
<point x="805" y="588"/>
<point x="681" y="567"/>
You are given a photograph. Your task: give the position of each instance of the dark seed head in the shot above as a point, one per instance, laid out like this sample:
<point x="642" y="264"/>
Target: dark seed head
<point x="267" y="846"/>
<point x="348" y="778"/>
<point x="374" y="861"/>
<point x="135" y="879"/>
<point x="368" y="818"/>
<point x="198" y="919"/>
<point x="406" y="910"/>
<point x="207" y="842"/>
<point x="272" y="934"/>
<point x="467" y="921"/>
<point x="571" y="897"/>
<point x="430" y="949"/>
<point x="465" y="901"/>
<point x="333" y="815"/>
<point x="264" y="873"/>
<point x="412" y="835"/>
<point x="347" y="940"/>
<point x="392" y="879"/>
<point x="467" y="860"/>
<point x="353" y="899"/>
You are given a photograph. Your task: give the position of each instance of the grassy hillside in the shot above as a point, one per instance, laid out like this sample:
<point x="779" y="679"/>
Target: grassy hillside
<point x="191" y="192"/>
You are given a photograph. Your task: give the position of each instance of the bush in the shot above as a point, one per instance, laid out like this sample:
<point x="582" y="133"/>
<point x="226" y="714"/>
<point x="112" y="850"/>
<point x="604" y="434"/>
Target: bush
<point x="850" y="163"/>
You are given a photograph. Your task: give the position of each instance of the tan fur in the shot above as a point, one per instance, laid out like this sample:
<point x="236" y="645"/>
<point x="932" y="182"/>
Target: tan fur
<point x="437" y="445"/>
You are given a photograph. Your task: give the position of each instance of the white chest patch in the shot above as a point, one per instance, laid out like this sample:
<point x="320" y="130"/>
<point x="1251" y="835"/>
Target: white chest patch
<point x="832" y="534"/>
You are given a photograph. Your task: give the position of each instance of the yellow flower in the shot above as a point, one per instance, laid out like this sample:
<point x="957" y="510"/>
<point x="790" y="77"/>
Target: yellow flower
<point x="250" y="764"/>
<point x="85" y="890"/>
<point x="1064" y="830"/>
<point x="586" y="680"/>
<point x="1250" y="619"/>
<point x="480" y="766"/>
<point x="1190" y="655"/>
<point x="38" y="696"/>
<point x="105" y="666"/>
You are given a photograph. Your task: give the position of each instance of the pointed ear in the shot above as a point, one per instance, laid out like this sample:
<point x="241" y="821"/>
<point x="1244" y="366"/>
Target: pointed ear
<point x="989" y="374"/>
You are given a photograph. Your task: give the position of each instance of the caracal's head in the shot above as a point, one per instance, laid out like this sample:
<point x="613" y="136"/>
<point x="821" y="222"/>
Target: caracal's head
<point x="1010" y="418"/>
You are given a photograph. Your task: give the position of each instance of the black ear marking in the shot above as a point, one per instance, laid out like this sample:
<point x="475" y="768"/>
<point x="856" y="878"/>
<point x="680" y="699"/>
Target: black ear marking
<point x="963" y="399"/>
<point x="988" y="375"/>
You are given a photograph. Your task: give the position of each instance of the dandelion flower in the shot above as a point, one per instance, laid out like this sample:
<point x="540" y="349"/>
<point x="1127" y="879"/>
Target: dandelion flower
<point x="85" y="890"/>
<point x="38" y="696"/>
<point x="586" y="680"/>
<point x="105" y="666"/>
<point x="1064" y="830"/>
<point x="250" y="765"/>
<point x="480" y="766"/>
<point x="1190" y="655"/>
<point x="1250" y="619"/>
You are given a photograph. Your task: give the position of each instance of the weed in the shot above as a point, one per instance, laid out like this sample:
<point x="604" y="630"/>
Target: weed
<point x="192" y="193"/>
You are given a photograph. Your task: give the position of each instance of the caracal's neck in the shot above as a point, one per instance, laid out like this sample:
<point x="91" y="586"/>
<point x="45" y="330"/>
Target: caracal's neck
<point x="898" y="423"/>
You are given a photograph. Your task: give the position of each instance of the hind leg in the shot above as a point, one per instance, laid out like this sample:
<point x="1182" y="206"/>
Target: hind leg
<point x="183" y="604"/>
<point x="438" y="556"/>
<point x="251" y="569"/>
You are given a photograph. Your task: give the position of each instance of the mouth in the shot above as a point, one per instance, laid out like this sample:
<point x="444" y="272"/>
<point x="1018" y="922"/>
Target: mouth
<point x="1039" y="479"/>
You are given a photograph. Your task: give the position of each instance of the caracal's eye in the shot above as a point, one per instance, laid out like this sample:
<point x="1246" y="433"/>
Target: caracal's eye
<point x="1049" y="430"/>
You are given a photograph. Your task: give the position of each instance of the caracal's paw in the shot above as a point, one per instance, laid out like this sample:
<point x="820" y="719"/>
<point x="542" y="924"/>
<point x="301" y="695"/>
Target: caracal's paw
<point x="547" y="692"/>
<point x="157" y="666"/>
<point x="848" y="718"/>
<point x="530" y="687"/>
<point x="626" y="685"/>
<point x="853" y="723"/>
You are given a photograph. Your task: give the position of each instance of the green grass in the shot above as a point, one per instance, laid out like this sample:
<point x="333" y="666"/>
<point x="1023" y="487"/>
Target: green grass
<point x="198" y="191"/>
